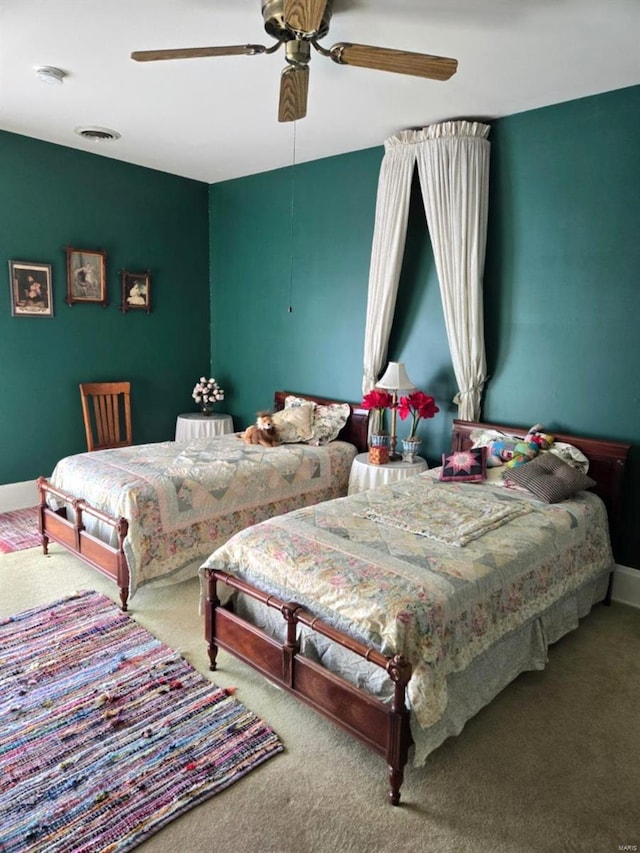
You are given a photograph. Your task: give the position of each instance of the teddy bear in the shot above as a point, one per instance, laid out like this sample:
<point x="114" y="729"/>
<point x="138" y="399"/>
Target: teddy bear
<point x="263" y="432"/>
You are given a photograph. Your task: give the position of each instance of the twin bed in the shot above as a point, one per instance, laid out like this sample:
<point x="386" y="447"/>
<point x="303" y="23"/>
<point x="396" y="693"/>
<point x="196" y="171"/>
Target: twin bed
<point x="152" y="513"/>
<point x="399" y="637"/>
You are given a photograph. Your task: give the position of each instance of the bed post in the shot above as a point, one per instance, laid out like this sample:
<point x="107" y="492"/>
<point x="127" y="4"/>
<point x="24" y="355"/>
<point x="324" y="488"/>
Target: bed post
<point x="122" y="528"/>
<point x="291" y="647"/>
<point x="213" y="602"/>
<point x="399" y="671"/>
<point x="41" y="483"/>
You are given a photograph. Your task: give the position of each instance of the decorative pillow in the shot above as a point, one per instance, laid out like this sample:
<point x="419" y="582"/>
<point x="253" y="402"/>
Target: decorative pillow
<point x="464" y="465"/>
<point x="292" y="402"/>
<point x="550" y="479"/>
<point x="295" y="424"/>
<point x="571" y="455"/>
<point x="328" y="421"/>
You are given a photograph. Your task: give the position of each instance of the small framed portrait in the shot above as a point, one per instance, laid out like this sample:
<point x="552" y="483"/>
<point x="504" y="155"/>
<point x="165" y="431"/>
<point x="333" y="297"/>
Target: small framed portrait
<point x="86" y="276"/>
<point x="136" y="291"/>
<point x="31" y="294"/>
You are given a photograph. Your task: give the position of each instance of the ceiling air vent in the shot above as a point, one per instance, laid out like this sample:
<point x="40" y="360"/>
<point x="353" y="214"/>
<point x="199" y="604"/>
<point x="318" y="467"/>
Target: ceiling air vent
<point x="97" y="134"/>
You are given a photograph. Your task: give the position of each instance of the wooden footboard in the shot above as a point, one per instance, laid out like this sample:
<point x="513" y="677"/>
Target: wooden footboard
<point x="55" y="526"/>
<point x="381" y="727"/>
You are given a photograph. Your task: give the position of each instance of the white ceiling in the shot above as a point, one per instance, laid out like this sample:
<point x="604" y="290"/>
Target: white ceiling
<point x="214" y="119"/>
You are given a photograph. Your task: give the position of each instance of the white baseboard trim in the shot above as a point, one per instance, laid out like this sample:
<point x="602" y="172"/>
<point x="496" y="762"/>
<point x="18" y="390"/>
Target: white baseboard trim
<point x="626" y="586"/>
<point x="18" y="496"/>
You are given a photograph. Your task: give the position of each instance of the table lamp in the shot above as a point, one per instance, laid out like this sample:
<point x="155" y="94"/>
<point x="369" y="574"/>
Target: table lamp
<point x="395" y="379"/>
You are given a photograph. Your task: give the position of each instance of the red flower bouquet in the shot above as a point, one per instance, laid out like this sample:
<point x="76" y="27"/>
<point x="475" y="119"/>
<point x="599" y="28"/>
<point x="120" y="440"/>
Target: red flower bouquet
<point x="419" y="405"/>
<point x="378" y="402"/>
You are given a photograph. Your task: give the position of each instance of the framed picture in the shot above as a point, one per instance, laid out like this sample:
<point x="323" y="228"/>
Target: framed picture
<point x="31" y="293"/>
<point x="136" y="291"/>
<point x="86" y="276"/>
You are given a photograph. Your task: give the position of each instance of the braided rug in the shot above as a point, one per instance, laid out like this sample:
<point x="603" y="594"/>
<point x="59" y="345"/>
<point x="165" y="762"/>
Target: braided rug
<point x="106" y="734"/>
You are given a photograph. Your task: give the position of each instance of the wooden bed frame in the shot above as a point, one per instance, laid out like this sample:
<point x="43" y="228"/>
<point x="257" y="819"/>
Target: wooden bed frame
<point x="383" y="728"/>
<point x="110" y="560"/>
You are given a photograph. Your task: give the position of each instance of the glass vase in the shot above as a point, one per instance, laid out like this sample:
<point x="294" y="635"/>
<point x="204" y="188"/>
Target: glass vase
<point x="378" y="448"/>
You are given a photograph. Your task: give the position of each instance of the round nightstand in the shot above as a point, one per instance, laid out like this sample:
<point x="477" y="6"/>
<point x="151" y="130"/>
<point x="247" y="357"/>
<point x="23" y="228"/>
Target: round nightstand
<point x="366" y="475"/>
<point x="197" y="425"/>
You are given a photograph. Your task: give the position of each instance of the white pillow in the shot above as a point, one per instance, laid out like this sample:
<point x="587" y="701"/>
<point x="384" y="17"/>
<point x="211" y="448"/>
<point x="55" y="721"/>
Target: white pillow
<point x="295" y="424"/>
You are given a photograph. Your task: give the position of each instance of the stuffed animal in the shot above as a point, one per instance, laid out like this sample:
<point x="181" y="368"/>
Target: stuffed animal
<point x="513" y="452"/>
<point x="263" y="432"/>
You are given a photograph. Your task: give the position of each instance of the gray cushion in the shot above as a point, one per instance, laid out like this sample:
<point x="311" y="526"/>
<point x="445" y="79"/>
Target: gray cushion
<point x="550" y="479"/>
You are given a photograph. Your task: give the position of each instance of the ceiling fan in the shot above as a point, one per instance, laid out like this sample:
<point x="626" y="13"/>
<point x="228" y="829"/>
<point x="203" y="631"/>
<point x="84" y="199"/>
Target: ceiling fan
<point x="298" y="25"/>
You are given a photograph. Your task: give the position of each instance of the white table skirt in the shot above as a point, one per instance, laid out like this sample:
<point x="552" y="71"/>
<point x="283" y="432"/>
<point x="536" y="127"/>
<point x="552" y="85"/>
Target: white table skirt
<point x="366" y="475"/>
<point x="196" y="425"/>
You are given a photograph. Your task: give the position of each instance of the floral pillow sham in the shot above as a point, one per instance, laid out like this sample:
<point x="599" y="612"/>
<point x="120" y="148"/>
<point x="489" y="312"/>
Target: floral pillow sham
<point x="295" y="424"/>
<point x="327" y="421"/>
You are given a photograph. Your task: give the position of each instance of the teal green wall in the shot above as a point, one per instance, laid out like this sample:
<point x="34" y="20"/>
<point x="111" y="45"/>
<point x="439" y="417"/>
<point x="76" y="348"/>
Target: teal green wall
<point x="561" y="287"/>
<point x="562" y="282"/>
<point x="318" y="346"/>
<point x="52" y="197"/>
<point x="562" y="294"/>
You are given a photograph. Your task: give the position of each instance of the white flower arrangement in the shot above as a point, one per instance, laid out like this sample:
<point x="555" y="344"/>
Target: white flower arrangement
<point x="207" y="392"/>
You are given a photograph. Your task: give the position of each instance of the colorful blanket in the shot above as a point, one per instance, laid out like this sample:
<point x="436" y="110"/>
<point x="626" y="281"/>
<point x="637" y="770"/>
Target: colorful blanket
<point x="184" y="500"/>
<point x="438" y="605"/>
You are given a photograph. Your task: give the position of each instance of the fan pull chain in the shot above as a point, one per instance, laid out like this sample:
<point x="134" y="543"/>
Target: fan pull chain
<point x="291" y="233"/>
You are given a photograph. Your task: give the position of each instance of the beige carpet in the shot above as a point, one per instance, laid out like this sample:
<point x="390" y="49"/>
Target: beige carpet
<point x="553" y="764"/>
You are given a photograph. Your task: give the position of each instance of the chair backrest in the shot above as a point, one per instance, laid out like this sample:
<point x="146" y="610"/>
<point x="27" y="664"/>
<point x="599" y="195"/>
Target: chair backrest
<point x="107" y="422"/>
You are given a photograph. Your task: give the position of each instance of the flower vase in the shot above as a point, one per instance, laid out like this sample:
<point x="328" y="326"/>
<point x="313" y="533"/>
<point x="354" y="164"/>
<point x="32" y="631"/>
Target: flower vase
<point x="378" y="448"/>
<point x="410" y="448"/>
<point x="207" y="411"/>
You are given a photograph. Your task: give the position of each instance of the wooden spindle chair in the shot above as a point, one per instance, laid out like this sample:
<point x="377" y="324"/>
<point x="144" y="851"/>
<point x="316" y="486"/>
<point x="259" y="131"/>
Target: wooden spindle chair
<point x="107" y="422"/>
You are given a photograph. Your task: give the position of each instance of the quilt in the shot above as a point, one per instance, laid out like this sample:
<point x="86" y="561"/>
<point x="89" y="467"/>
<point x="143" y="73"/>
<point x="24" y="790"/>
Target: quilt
<point x="183" y="500"/>
<point x="438" y="605"/>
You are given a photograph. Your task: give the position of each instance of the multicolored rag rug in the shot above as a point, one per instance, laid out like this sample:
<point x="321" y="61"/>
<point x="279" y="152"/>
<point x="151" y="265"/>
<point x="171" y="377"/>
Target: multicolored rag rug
<point x="107" y="734"/>
<point x="19" y="530"/>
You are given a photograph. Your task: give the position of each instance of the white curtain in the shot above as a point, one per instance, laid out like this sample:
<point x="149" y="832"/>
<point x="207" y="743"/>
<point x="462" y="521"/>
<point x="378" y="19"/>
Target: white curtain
<point x="453" y="165"/>
<point x="389" y="236"/>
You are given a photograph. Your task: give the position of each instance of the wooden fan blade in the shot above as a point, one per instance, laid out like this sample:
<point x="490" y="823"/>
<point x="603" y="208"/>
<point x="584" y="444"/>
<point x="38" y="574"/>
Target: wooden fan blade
<point x="197" y="52"/>
<point x="294" y="86"/>
<point x="397" y="61"/>
<point x="304" y="16"/>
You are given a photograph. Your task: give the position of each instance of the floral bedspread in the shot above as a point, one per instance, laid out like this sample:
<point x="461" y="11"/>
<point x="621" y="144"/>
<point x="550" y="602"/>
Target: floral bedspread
<point x="439" y="605"/>
<point x="184" y="500"/>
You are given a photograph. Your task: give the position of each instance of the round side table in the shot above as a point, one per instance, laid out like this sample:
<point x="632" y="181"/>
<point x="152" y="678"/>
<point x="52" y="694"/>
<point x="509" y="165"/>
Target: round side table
<point x="366" y="475"/>
<point x="196" y="425"/>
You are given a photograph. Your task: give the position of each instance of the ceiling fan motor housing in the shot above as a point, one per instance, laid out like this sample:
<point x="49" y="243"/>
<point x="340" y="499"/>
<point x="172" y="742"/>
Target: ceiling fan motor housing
<point x="274" y="23"/>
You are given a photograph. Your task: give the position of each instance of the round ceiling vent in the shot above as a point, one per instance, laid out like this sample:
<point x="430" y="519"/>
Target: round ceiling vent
<point x="97" y="134"/>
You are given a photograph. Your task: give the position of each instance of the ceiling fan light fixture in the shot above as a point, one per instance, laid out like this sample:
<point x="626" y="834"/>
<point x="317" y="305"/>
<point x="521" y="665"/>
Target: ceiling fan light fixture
<point x="49" y="75"/>
<point x="298" y="25"/>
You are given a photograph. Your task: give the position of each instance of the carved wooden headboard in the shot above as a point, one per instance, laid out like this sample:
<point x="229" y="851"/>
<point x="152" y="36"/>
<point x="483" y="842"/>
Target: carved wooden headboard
<point x="607" y="460"/>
